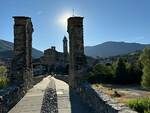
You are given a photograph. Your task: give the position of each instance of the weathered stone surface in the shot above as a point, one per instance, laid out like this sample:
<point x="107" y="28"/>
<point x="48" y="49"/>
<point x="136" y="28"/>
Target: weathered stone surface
<point x="21" y="70"/>
<point x="9" y="97"/>
<point x="77" y="58"/>
<point x="100" y="102"/>
<point x="33" y="99"/>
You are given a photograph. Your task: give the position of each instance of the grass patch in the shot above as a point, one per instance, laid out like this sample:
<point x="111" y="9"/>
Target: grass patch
<point x="141" y="105"/>
<point x="4" y="82"/>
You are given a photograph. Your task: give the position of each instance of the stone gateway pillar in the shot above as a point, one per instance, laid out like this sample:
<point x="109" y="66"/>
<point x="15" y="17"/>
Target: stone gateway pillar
<point x="22" y="62"/>
<point x="77" y="60"/>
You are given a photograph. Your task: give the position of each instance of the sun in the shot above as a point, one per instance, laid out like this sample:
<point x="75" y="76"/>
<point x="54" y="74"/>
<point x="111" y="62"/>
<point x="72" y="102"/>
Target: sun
<point x="63" y="19"/>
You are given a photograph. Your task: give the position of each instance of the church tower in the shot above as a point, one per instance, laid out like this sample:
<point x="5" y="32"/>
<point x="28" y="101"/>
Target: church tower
<point x="65" y="49"/>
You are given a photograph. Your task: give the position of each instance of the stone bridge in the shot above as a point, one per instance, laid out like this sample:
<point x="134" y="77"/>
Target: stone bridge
<point x="51" y="96"/>
<point x="46" y="94"/>
<point x="36" y="97"/>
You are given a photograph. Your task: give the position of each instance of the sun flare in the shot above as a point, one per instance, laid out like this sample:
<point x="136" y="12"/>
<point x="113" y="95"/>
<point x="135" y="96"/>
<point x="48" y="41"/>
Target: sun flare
<point x="63" y="19"/>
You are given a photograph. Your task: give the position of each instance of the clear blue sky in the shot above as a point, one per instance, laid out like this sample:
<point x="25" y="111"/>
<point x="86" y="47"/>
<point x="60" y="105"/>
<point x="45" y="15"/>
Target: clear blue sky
<point x="105" y="20"/>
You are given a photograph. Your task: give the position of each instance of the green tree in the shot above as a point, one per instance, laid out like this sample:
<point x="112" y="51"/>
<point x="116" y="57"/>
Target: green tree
<point x="4" y="82"/>
<point x="101" y="72"/>
<point x="145" y="60"/>
<point x="121" y="71"/>
<point x="134" y="72"/>
<point x="3" y="70"/>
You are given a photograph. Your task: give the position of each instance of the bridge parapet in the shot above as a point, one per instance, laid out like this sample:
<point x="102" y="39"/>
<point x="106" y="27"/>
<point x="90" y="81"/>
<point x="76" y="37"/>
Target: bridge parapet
<point x="62" y="77"/>
<point x="9" y="97"/>
<point x="101" y="102"/>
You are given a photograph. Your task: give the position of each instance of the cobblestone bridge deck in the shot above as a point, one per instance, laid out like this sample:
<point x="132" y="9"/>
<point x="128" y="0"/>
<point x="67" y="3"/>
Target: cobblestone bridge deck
<point x="65" y="101"/>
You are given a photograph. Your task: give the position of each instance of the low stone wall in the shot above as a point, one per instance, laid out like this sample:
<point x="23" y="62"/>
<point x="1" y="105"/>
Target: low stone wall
<point x="100" y="102"/>
<point x="37" y="79"/>
<point x="9" y="97"/>
<point x="62" y="77"/>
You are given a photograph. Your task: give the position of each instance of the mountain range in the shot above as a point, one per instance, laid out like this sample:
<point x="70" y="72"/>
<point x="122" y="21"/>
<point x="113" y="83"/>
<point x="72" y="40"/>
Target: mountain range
<point x="6" y="50"/>
<point x="105" y="49"/>
<point x="111" y="48"/>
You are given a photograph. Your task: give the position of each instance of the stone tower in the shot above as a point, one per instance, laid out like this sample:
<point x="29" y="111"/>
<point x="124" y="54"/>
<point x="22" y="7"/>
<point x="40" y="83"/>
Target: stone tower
<point x="65" y="49"/>
<point x="77" y="59"/>
<point x="22" y="62"/>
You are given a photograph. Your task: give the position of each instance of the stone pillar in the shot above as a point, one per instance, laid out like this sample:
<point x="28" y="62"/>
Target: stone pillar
<point x="22" y="62"/>
<point x="77" y="59"/>
<point x="65" y="49"/>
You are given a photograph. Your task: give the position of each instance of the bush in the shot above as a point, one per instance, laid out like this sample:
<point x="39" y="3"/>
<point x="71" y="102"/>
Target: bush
<point x="3" y="82"/>
<point x="101" y="73"/>
<point x="147" y="111"/>
<point x="141" y="105"/>
<point x="3" y="70"/>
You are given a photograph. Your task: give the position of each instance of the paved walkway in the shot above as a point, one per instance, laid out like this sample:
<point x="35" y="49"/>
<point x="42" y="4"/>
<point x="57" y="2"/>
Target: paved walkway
<point x="67" y="101"/>
<point x="32" y="101"/>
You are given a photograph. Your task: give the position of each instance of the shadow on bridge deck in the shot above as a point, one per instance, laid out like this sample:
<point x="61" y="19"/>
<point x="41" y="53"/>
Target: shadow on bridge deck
<point x="68" y="100"/>
<point x="51" y="96"/>
<point x="77" y="105"/>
